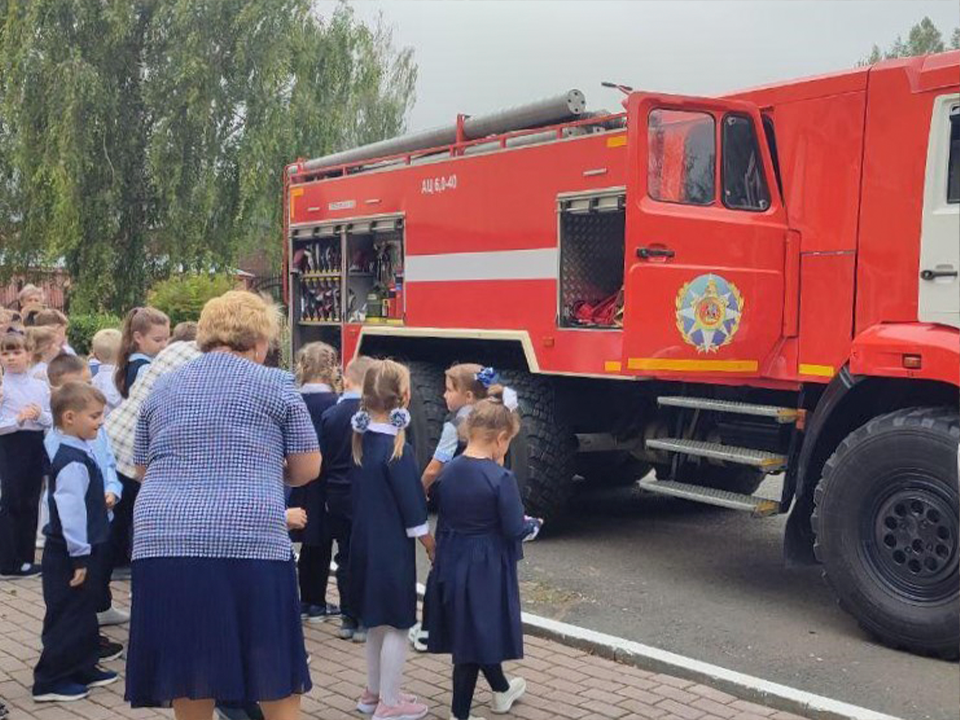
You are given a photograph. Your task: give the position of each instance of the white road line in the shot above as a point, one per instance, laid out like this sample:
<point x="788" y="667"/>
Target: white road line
<point x="781" y="697"/>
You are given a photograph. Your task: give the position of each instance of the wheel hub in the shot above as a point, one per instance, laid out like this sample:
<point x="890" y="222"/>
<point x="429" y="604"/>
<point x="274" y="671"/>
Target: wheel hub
<point x="915" y="534"/>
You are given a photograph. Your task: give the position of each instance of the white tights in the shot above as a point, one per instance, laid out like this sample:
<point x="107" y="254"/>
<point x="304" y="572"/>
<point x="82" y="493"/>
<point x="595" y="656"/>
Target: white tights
<point x="386" y="652"/>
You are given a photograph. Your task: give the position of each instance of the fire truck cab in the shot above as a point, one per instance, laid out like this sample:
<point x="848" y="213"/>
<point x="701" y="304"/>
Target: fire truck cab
<point x="694" y="293"/>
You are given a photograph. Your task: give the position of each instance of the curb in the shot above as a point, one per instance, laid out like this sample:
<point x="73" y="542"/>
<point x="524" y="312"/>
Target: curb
<point x="645" y="657"/>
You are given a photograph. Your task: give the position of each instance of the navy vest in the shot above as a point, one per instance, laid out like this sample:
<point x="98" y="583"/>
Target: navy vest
<point x="132" y="369"/>
<point x="98" y="525"/>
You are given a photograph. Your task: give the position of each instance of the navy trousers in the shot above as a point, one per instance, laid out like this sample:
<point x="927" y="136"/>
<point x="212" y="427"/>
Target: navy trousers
<point x="70" y="631"/>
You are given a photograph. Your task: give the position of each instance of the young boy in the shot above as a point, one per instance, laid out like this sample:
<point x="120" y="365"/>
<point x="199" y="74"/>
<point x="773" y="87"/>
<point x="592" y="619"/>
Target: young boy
<point x="66" y="369"/>
<point x="106" y="348"/>
<point x="74" y="553"/>
<point x="24" y="415"/>
<point x="336" y="438"/>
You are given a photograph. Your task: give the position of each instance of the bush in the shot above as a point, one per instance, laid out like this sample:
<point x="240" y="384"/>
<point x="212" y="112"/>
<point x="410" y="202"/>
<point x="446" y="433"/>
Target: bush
<point x="83" y="327"/>
<point x="183" y="297"/>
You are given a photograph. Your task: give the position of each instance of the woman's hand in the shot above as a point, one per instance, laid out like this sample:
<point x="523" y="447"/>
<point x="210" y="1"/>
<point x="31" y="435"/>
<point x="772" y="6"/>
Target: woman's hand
<point x="111" y="500"/>
<point x="296" y="518"/>
<point x="79" y="575"/>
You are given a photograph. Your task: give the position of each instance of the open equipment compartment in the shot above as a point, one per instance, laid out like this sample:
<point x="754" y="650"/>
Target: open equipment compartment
<point x="316" y="270"/>
<point x="592" y="234"/>
<point x="374" y="271"/>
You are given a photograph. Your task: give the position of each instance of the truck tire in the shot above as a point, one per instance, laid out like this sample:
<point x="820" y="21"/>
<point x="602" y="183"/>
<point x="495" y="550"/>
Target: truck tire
<point x="886" y="526"/>
<point x="543" y="455"/>
<point x="427" y="410"/>
<point x="613" y="469"/>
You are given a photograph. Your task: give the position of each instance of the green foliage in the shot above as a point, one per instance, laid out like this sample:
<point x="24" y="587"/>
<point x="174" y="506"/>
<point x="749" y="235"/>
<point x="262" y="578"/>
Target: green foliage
<point x="139" y="138"/>
<point x="82" y="328"/>
<point x="924" y="38"/>
<point x="183" y="297"/>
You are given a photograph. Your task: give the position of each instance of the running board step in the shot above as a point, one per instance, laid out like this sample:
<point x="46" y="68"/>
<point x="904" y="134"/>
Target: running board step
<point x="757" y="506"/>
<point x="782" y="415"/>
<point x="761" y="459"/>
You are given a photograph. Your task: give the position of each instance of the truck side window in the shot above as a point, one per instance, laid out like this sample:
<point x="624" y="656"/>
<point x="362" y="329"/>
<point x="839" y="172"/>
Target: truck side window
<point x="744" y="184"/>
<point x="953" y="165"/>
<point x="682" y="156"/>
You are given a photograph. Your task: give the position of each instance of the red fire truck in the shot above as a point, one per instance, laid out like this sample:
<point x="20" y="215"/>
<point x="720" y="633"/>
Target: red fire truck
<point x="711" y="289"/>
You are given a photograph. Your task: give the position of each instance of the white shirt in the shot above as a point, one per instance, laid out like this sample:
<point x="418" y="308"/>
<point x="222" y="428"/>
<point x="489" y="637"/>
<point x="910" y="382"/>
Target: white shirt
<point x="103" y="381"/>
<point x="20" y="390"/>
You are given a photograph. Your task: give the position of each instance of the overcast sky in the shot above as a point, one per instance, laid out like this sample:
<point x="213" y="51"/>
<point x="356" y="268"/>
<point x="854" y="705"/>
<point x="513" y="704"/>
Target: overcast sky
<point x="481" y="55"/>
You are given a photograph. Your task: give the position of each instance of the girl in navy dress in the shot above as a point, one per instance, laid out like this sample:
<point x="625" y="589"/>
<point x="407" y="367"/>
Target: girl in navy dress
<point x="318" y="374"/>
<point x="145" y="333"/>
<point x="464" y="385"/>
<point x="389" y="512"/>
<point x="475" y="597"/>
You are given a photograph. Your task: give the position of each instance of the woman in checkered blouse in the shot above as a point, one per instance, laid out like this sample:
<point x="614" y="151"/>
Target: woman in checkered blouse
<point x="215" y="612"/>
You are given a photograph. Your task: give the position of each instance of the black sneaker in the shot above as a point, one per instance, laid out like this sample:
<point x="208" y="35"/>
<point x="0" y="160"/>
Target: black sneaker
<point x="98" y="677"/>
<point x="109" y="650"/>
<point x="62" y="692"/>
<point x="27" y="570"/>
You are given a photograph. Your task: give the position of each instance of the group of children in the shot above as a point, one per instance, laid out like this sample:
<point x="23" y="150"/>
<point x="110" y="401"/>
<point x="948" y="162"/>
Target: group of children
<point x="371" y="499"/>
<point x="51" y="434"/>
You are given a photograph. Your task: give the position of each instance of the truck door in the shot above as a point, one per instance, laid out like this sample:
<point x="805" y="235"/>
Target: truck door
<point x="706" y="235"/>
<point x="939" y="300"/>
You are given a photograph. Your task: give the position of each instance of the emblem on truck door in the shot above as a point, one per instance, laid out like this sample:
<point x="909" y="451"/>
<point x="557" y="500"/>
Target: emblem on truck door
<point x="709" y="309"/>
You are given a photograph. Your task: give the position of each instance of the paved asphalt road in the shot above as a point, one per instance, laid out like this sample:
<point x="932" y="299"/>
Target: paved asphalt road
<point x="710" y="584"/>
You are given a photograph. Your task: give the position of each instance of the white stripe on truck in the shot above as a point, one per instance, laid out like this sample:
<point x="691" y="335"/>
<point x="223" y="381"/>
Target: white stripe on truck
<point x="502" y="265"/>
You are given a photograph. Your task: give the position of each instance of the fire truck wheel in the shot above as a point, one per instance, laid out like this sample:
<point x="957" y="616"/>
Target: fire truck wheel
<point x="543" y="455"/>
<point x="886" y="524"/>
<point x="615" y="469"/>
<point x="427" y="409"/>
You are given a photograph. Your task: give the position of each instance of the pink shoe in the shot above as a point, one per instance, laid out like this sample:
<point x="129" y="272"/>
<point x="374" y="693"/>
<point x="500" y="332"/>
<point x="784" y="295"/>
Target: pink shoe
<point x="401" y="711"/>
<point x="369" y="701"/>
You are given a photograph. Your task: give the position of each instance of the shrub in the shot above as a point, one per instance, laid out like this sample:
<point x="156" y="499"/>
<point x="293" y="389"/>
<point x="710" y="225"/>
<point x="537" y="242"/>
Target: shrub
<point x="183" y="297"/>
<point x="83" y="327"/>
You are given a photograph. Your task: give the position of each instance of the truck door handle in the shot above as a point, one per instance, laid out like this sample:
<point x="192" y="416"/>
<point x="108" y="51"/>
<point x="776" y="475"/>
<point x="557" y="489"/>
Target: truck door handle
<point x="649" y="252"/>
<point x="934" y="274"/>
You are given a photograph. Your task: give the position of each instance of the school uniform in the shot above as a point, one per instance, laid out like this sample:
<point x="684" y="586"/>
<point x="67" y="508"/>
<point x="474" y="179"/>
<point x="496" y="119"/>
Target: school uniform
<point x="475" y="599"/>
<point x="121" y="530"/>
<point x="316" y="546"/>
<point x="103" y="381"/>
<point x="389" y="511"/>
<point x="23" y="464"/>
<point x="76" y="538"/>
<point x="451" y="445"/>
<point x="336" y="445"/>
<point x="111" y="484"/>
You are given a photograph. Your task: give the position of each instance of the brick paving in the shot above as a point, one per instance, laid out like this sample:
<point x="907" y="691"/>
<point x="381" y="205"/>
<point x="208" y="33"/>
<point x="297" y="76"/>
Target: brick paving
<point x="563" y="682"/>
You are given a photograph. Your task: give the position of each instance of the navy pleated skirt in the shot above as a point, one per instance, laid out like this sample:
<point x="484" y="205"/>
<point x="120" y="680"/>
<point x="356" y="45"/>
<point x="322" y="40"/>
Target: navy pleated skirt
<point x="226" y="629"/>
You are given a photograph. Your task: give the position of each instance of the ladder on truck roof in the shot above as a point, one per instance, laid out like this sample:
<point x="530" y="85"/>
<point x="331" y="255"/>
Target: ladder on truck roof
<point x="548" y="120"/>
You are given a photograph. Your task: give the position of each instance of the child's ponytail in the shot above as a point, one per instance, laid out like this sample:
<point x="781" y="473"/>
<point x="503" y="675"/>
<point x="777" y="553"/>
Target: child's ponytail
<point x="138" y="320"/>
<point x="386" y="387"/>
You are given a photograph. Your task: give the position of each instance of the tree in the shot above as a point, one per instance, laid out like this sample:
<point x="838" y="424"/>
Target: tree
<point x="923" y="38"/>
<point x="142" y="137"/>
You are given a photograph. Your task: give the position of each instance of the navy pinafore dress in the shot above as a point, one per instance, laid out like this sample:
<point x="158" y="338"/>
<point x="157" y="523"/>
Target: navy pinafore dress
<point x="474" y="599"/>
<point x="389" y="510"/>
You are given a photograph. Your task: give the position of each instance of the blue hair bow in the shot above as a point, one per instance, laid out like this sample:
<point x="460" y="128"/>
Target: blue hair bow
<point x="488" y="377"/>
